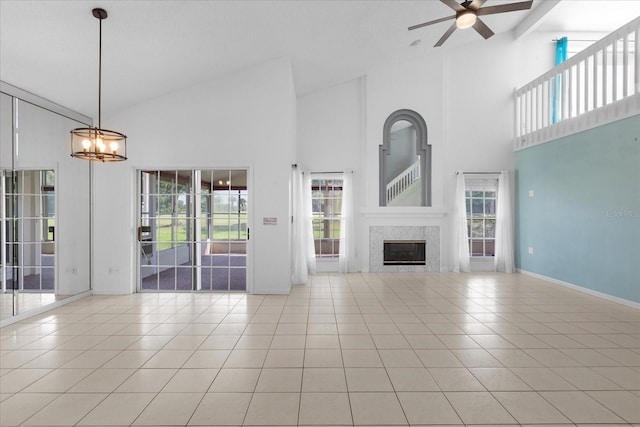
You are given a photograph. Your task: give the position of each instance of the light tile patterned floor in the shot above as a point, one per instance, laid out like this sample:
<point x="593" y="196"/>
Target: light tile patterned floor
<point x="358" y="349"/>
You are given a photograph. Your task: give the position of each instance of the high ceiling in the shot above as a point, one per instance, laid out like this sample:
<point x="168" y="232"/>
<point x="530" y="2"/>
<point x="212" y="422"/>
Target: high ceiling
<point x="50" y="47"/>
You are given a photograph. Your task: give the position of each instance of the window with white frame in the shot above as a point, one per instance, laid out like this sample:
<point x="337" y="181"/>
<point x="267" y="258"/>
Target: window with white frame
<point x="480" y="198"/>
<point x="326" y="201"/>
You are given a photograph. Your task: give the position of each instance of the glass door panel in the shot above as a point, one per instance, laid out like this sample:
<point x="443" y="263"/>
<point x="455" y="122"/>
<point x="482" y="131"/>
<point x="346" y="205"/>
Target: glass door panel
<point x="227" y="249"/>
<point x="165" y="230"/>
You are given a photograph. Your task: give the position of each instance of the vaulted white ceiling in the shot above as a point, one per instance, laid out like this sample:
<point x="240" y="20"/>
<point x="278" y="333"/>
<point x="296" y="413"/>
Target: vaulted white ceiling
<point x="150" y="48"/>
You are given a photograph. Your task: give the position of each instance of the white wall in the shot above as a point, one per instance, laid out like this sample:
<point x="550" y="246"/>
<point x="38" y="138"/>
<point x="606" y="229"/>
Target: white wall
<point x="329" y="128"/>
<point x="244" y="120"/>
<point x="416" y="84"/>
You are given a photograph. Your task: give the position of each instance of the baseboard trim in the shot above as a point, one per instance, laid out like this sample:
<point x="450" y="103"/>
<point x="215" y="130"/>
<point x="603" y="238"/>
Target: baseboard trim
<point x="582" y="289"/>
<point x="27" y="314"/>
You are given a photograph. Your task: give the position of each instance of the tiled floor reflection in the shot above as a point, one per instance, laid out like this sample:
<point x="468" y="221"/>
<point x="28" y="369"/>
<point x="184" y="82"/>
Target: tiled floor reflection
<point x="358" y="349"/>
<point x="25" y="301"/>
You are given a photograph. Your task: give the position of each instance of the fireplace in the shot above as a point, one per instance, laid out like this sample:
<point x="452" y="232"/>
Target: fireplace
<point x="378" y="234"/>
<point x="404" y="252"/>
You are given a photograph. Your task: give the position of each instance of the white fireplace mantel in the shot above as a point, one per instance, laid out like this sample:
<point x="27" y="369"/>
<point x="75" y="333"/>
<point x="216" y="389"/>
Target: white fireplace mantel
<point x="420" y="213"/>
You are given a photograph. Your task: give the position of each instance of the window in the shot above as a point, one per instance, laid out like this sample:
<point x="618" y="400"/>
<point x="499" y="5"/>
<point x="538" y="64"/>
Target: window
<point x="481" y="218"/>
<point x="326" y="201"/>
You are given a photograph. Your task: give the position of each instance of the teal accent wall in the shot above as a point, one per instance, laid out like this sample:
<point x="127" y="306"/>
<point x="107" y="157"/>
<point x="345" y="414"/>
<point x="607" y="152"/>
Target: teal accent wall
<point x="583" y="221"/>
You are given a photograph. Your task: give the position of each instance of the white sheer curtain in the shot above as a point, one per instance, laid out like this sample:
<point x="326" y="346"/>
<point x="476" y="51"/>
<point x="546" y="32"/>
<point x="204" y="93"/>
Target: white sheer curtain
<point x="504" y="259"/>
<point x="460" y="241"/>
<point x="303" y="252"/>
<point x="346" y="224"/>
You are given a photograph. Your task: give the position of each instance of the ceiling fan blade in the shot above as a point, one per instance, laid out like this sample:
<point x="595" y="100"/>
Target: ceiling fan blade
<point x="453" y="5"/>
<point x="446" y="35"/>
<point x="476" y="4"/>
<point x="511" y="7"/>
<point x="424" y="24"/>
<point x="482" y="28"/>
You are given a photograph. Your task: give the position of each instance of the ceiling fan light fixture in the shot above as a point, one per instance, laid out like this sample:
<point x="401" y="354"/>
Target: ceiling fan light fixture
<point x="466" y="19"/>
<point x="95" y="143"/>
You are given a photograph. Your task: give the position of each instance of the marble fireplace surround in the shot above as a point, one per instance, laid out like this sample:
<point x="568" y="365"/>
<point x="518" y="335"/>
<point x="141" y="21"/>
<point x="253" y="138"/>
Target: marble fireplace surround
<point x="378" y="234"/>
<point x="403" y="223"/>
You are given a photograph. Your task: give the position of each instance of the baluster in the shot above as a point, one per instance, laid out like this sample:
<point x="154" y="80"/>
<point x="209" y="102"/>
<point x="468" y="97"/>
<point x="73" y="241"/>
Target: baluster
<point x="534" y="109"/>
<point x="552" y="100"/>
<point x="539" y="99"/>
<point x="586" y="84"/>
<point x="564" y="99"/>
<point x="529" y="112"/>
<point x="604" y="75"/>
<point x="595" y="80"/>
<point x="578" y="87"/>
<point x="614" y="71"/>
<point x="545" y="104"/>
<point x="523" y="114"/>
<point x="569" y="92"/>
<point x="636" y="66"/>
<point x="625" y="66"/>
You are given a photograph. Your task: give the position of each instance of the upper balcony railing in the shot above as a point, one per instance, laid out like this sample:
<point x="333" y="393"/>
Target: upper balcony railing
<point x="599" y="85"/>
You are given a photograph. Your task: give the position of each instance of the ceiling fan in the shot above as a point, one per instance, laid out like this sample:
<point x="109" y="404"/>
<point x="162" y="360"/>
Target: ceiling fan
<point x="468" y="13"/>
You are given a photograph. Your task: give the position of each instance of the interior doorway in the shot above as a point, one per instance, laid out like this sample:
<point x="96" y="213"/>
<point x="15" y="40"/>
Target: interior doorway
<point x="193" y="230"/>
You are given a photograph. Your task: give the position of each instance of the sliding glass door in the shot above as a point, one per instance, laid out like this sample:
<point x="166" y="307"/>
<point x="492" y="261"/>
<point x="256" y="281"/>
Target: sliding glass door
<point x="193" y="232"/>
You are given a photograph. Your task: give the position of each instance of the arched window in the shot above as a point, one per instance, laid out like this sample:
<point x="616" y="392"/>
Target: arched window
<point x="405" y="161"/>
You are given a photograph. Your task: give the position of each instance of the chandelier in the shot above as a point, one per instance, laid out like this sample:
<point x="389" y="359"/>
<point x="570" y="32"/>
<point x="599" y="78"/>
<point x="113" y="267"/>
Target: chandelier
<point x="95" y="143"/>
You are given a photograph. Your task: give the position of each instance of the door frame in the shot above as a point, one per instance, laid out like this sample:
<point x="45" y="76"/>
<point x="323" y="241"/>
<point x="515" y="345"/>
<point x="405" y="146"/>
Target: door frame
<point x="136" y="211"/>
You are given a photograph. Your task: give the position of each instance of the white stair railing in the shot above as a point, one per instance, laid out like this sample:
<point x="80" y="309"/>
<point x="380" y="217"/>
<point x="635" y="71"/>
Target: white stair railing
<point x="403" y="181"/>
<point x="599" y="85"/>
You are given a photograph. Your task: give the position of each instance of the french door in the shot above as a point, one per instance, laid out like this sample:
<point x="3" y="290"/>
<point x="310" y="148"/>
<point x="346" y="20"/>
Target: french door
<point x="193" y="233"/>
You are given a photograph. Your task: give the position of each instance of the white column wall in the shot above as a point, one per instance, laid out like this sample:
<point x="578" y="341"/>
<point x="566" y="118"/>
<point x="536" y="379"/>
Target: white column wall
<point x="246" y="120"/>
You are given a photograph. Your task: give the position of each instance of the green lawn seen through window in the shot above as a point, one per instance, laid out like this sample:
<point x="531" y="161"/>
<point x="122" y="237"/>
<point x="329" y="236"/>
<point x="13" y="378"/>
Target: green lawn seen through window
<point x="222" y="230"/>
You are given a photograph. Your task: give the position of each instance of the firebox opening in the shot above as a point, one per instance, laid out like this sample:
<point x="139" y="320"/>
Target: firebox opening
<point x="404" y="252"/>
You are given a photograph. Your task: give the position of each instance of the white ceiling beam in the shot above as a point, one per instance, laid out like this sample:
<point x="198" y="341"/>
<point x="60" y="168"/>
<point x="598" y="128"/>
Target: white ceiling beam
<point x="534" y="18"/>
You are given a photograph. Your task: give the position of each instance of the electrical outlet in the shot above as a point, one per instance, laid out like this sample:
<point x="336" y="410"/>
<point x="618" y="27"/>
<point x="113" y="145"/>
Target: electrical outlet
<point x="531" y="193"/>
<point x="530" y="250"/>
